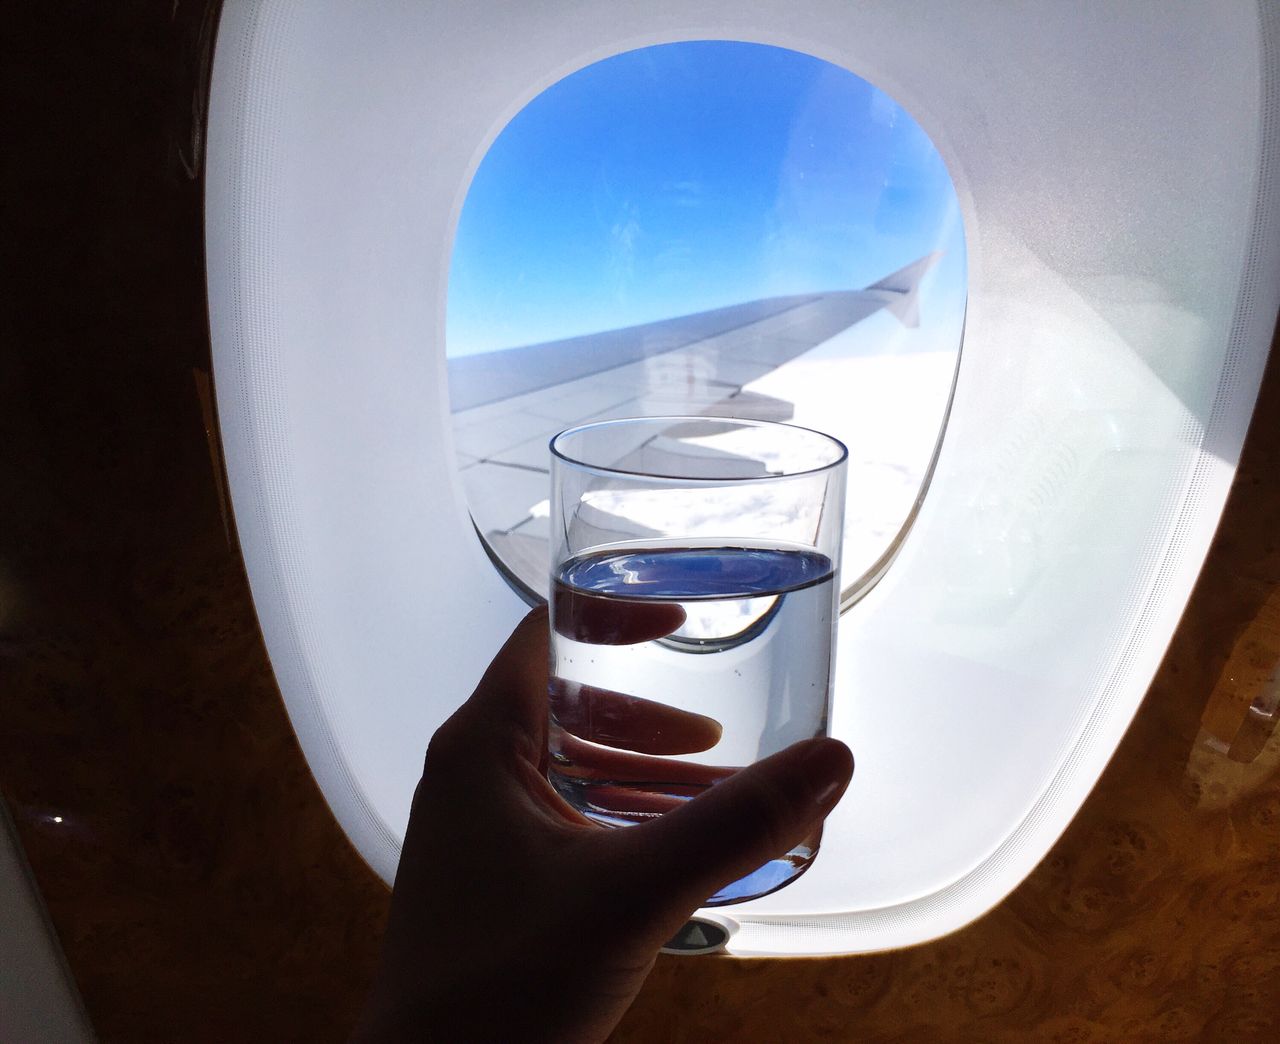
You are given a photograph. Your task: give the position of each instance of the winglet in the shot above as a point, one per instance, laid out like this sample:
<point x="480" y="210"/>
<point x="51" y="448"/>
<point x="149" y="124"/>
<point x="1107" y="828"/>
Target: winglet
<point x="900" y="290"/>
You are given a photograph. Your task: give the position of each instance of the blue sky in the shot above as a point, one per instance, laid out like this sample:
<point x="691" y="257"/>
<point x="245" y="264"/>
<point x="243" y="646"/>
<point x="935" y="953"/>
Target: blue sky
<point x="688" y="176"/>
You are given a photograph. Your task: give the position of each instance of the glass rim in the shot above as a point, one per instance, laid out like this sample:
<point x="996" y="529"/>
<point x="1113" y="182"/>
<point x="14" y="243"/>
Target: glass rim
<point x="842" y="454"/>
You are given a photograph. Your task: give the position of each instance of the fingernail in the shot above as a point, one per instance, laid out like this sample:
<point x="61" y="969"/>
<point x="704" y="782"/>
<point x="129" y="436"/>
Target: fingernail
<point x="827" y="767"/>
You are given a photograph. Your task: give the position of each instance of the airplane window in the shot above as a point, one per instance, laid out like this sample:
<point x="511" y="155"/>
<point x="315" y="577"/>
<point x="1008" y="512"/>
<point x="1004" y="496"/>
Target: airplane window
<point x="712" y="228"/>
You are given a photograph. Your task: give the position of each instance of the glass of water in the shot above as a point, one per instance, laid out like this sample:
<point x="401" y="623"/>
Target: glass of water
<point x="694" y="599"/>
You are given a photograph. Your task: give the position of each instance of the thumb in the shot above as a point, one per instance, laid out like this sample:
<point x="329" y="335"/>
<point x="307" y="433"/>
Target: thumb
<point x="757" y="814"/>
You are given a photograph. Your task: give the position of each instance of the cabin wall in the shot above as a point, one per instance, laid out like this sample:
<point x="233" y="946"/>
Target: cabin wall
<point x="38" y="999"/>
<point x="196" y="880"/>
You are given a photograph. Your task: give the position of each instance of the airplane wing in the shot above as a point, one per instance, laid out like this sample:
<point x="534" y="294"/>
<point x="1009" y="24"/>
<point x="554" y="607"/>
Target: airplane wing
<point x="507" y="404"/>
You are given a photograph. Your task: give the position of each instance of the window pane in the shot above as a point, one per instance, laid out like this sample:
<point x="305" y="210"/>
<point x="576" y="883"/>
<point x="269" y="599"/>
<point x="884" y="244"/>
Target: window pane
<point x="714" y="228"/>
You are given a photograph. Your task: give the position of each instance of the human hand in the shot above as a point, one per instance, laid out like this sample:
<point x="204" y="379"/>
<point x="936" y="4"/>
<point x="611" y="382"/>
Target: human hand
<point x="516" y="918"/>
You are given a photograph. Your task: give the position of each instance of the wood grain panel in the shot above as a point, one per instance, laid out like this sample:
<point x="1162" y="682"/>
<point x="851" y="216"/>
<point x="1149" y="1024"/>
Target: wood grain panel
<point x="198" y="882"/>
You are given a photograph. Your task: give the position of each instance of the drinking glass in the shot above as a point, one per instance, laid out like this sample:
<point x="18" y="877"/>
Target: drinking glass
<point x="694" y="599"/>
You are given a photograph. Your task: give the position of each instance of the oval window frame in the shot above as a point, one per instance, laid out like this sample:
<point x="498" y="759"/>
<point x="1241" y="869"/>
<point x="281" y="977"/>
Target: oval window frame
<point x="857" y="587"/>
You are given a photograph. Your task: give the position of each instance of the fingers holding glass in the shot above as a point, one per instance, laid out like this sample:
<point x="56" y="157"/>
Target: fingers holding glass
<point x="611" y="749"/>
<point x="583" y="617"/>
<point x="614" y="719"/>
